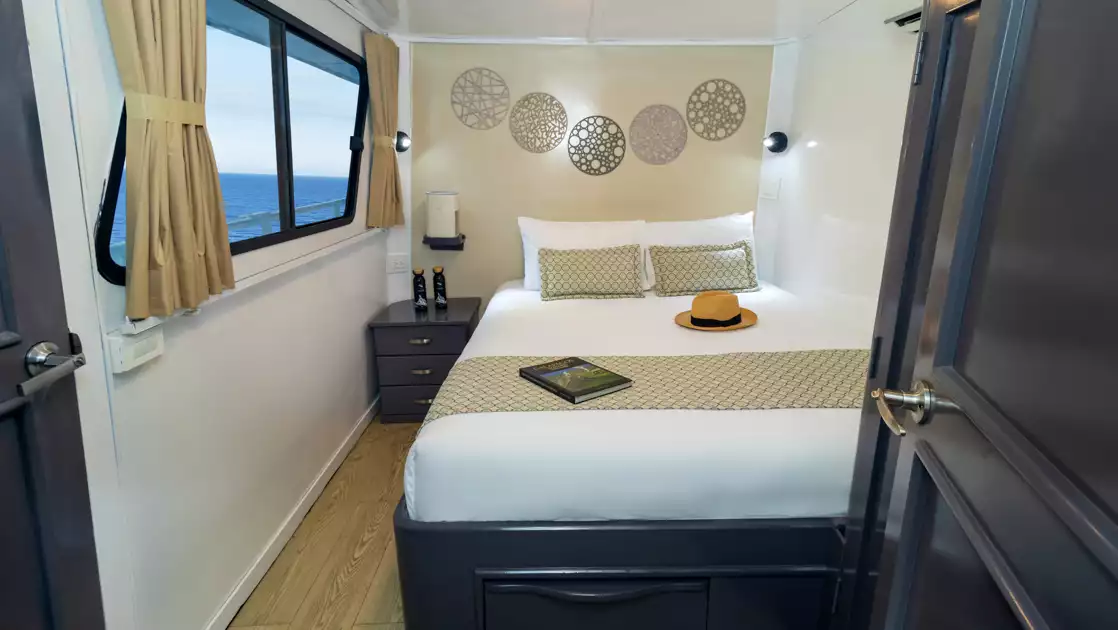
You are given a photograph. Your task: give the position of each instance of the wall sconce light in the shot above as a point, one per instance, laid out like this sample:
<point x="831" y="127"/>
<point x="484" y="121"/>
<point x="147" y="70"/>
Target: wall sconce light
<point x="777" y="142"/>
<point x="403" y="142"/>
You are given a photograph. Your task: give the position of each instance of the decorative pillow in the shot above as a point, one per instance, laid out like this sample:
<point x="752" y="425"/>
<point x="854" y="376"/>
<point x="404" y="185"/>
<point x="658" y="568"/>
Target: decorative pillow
<point x="719" y="231"/>
<point x="613" y="272"/>
<point x="537" y="234"/>
<point x="692" y="269"/>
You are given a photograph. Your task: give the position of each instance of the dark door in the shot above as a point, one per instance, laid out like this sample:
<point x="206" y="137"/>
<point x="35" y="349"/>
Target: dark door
<point x="48" y="568"/>
<point x="1002" y="509"/>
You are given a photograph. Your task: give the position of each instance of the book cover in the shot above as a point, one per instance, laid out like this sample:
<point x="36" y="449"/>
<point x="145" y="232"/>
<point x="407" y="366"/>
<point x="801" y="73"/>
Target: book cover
<point x="574" y="379"/>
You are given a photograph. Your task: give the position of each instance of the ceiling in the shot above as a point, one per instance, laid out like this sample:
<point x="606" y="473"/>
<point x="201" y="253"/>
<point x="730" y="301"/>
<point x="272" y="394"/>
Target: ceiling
<point x="609" y="20"/>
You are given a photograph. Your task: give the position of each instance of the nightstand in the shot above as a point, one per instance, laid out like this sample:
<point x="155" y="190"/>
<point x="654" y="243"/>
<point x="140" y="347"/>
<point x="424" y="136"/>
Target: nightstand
<point x="414" y="351"/>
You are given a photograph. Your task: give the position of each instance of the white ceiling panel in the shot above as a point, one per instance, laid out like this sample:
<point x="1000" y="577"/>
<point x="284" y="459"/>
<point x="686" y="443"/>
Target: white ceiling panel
<point x="624" y="20"/>
<point x="685" y="19"/>
<point x="500" y="18"/>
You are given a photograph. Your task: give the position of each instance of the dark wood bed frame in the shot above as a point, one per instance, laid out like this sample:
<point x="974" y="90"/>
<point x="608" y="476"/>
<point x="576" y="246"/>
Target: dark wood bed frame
<point x="761" y="574"/>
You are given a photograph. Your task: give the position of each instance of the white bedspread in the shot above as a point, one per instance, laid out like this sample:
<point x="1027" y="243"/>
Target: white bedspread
<point x="640" y="464"/>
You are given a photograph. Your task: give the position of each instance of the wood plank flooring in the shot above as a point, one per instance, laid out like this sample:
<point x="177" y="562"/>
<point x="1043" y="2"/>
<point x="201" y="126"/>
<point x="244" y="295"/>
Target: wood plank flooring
<point x="338" y="571"/>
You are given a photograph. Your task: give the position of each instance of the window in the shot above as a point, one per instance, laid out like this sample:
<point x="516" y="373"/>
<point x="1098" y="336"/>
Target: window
<point x="285" y="109"/>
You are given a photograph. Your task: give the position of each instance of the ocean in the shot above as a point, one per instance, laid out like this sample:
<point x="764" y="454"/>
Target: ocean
<point x="247" y="194"/>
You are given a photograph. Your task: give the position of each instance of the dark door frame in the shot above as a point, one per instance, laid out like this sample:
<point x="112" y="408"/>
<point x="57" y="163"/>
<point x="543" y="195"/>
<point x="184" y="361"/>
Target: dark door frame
<point x="51" y="577"/>
<point x="906" y="273"/>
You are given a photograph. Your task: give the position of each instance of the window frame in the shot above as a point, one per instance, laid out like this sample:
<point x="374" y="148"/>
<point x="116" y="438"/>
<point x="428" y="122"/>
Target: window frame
<point x="280" y="22"/>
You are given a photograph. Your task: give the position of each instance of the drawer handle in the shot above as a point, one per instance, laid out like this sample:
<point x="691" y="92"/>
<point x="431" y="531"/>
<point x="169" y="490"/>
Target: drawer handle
<point x="591" y="597"/>
<point x="423" y="372"/>
<point x="427" y="402"/>
<point x="422" y="341"/>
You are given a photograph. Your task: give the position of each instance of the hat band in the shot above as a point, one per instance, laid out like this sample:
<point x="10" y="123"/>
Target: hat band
<point x="716" y="323"/>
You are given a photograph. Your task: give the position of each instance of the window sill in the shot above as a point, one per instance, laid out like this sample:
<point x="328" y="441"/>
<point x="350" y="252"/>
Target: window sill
<point x="130" y="328"/>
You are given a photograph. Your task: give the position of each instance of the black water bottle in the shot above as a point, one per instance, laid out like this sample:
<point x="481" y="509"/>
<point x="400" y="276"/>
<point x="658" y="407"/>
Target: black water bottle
<point x="419" y="290"/>
<point x="439" y="281"/>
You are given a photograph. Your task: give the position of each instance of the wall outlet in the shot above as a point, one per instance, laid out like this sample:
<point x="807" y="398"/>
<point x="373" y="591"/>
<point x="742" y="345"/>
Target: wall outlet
<point x="128" y="352"/>
<point x="397" y="263"/>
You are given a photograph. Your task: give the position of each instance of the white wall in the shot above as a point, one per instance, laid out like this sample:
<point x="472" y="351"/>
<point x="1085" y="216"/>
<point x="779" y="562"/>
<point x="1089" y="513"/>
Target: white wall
<point x="400" y="238"/>
<point x="775" y="167"/>
<point x="851" y="82"/>
<point x="202" y="462"/>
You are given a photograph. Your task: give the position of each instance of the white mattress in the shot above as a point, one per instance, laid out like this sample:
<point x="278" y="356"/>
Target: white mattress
<point x="640" y="464"/>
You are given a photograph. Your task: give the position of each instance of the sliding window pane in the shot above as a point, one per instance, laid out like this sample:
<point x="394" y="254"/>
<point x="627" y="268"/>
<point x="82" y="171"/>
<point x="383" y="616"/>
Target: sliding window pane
<point x="240" y="115"/>
<point x="117" y="248"/>
<point x="322" y="90"/>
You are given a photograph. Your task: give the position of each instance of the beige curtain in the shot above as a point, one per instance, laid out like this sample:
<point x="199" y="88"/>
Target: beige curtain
<point x="177" y="238"/>
<point x="385" y="192"/>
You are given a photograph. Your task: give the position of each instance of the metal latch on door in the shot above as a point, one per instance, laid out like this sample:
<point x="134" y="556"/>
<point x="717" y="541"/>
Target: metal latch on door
<point x="922" y="402"/>
<point x="47" y="365"/>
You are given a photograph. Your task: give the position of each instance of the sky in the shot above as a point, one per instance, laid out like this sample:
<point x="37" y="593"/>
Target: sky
<point x="240" y="116"/>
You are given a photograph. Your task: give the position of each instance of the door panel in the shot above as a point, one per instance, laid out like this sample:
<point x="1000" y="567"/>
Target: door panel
<point x="952" y="588"/>
<point x="1046" y="254"/>
<point x="1006" y="503"/>
<point x="22" y="601"/>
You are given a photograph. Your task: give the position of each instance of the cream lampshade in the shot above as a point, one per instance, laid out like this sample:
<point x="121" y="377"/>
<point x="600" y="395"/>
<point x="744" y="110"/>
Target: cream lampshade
<point x="442" y="214"/>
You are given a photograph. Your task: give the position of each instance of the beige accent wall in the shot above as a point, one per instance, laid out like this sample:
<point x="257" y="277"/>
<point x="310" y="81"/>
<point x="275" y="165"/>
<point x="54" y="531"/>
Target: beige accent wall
<point x="498" y="181"/>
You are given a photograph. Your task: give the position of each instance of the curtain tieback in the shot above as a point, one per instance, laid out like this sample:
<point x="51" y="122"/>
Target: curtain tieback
<point x="383" y="142"/>
<point x="162" y="109"/>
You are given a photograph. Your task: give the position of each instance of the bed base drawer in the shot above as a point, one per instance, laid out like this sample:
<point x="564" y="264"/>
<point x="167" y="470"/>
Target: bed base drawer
<point x="407" y="400"/>
<point x="596" y="604"/>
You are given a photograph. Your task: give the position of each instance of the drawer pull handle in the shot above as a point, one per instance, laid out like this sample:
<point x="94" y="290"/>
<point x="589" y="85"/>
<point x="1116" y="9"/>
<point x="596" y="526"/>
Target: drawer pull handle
<point x="593" y="597"/>
<point x="422" y="341"/>
<point x="423" y="372"/>
<point x="426" y="402"/>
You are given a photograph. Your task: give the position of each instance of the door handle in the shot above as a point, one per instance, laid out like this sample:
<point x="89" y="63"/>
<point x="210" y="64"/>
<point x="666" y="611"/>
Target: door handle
<point x="922" y="401"/>
<point x="423" y="341"/>
<point x="46" y="367"/>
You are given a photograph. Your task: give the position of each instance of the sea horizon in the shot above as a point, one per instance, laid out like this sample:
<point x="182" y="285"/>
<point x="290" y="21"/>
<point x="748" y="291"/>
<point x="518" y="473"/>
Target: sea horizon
<point x="251" y="193"/>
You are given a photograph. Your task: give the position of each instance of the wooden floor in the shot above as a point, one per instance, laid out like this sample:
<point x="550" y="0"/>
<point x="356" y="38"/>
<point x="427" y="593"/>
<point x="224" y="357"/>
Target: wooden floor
<point x="338" y="572"/>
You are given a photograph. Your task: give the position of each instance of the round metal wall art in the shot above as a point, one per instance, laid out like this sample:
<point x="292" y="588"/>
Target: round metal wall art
<point x="538" y="122"/>
<point x="716" y="109"/>
<point x="658" y="134"/>
<point x="480" y="98"/>
<point x="596" y="145"/>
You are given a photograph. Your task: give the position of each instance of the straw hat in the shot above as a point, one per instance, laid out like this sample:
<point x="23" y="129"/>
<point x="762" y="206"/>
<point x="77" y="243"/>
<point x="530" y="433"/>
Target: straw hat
<point x="716" y="311"/>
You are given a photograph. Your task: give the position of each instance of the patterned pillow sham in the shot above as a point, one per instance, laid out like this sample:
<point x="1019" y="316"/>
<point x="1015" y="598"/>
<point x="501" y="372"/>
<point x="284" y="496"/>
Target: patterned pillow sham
<point x="612" y="272"/>
<point x="692" y="269"/>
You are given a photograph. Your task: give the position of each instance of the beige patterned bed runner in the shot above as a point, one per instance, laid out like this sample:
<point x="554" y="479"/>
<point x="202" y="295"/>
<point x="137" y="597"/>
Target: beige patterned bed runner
<point x="809" y="379"/>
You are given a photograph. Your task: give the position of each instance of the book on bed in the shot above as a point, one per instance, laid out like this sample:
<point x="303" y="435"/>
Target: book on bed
<point x="575" y="380"/>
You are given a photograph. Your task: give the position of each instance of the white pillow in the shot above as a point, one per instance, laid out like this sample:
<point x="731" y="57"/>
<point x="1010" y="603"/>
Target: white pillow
<point x="721" y="231"/>
<point x="536" y="234"/>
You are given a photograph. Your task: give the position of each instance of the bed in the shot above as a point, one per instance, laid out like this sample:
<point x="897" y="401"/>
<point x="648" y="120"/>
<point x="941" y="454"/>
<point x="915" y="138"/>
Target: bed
<point x="660" y="518"/>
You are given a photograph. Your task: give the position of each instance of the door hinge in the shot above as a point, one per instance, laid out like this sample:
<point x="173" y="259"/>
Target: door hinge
<point x="918" y="64"/>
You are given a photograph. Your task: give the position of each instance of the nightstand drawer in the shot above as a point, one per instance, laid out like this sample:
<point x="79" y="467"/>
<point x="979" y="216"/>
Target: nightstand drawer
<point x="415" y="370"/>
<point x="420" y="340"/>
<point x="407" y="399"/>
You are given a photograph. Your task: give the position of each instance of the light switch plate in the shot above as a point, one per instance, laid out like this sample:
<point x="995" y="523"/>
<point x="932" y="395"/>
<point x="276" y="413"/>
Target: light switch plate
<point x="397" y="263"/>
<point x="770" y="187"/>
